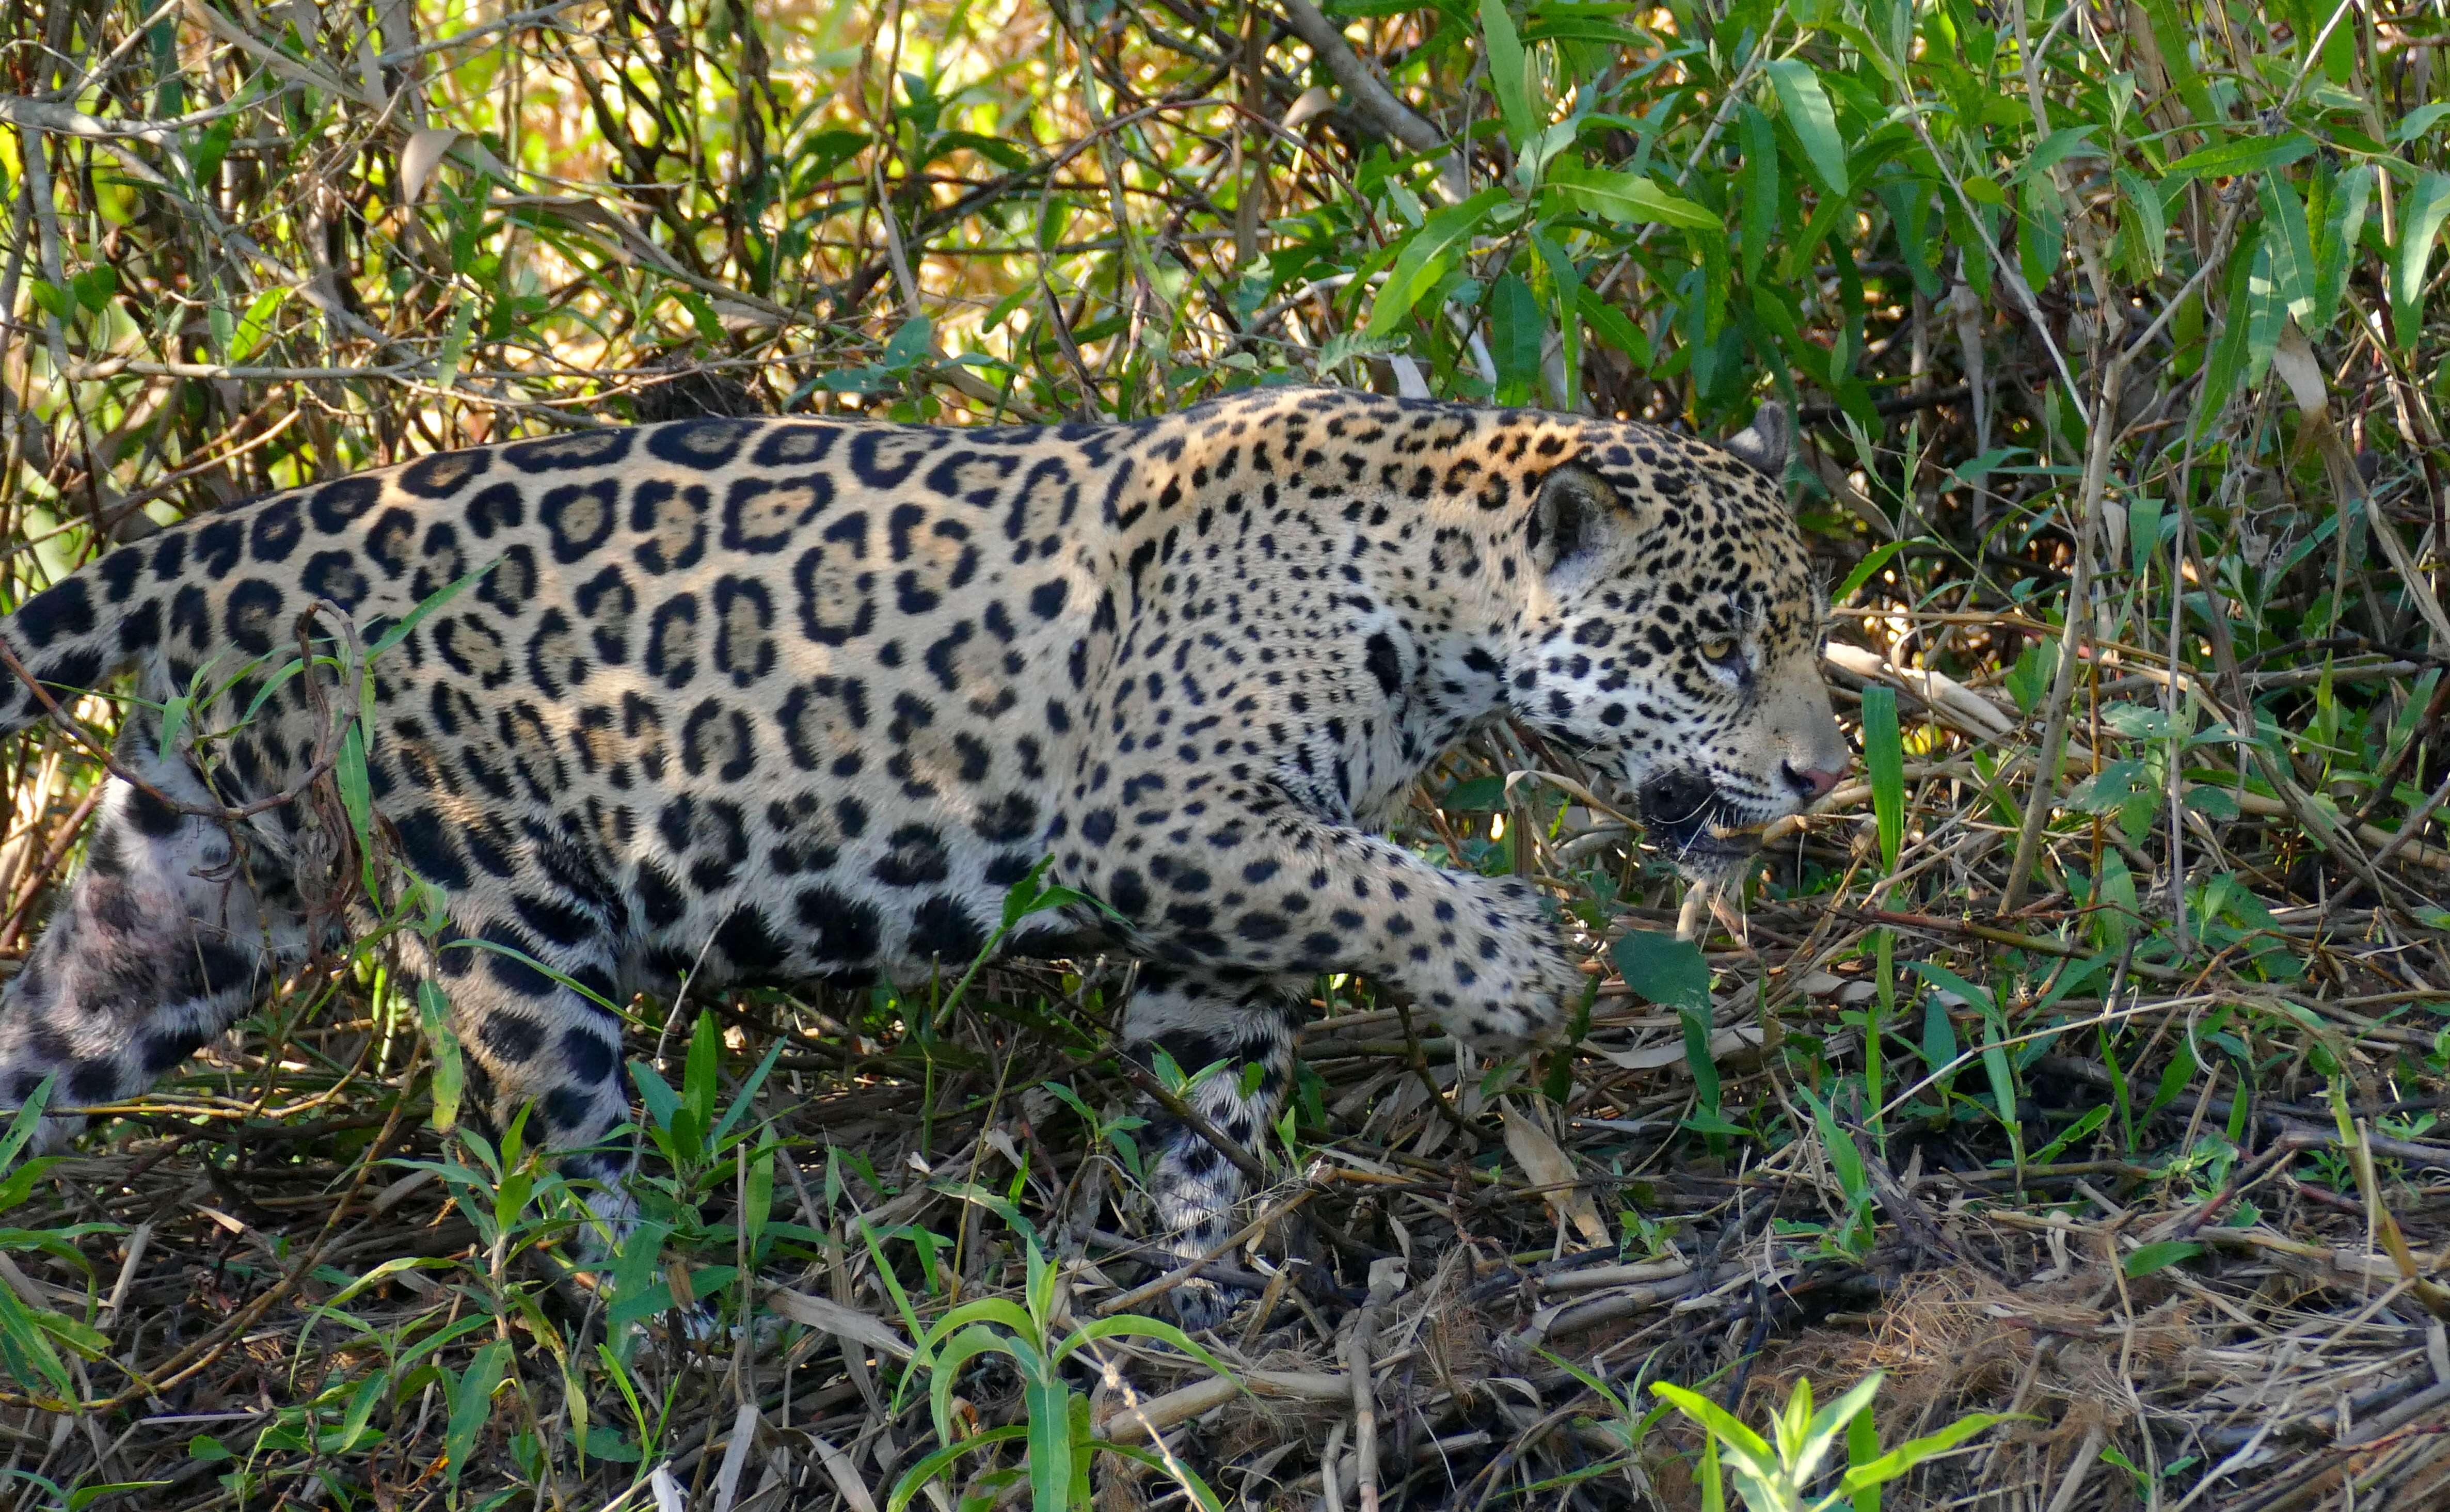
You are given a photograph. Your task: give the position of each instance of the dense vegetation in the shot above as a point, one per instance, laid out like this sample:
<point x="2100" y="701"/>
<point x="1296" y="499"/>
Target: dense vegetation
<point x="2080" y="1061"/>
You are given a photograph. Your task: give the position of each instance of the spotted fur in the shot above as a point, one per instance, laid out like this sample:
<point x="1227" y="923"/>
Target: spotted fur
<point x="788" y="701"/>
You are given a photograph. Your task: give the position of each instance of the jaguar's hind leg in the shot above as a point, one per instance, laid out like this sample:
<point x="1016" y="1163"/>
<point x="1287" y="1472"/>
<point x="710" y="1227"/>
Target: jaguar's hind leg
<point x="1246" y="1032"/>
<point x="527" y="984"/>
<point x="162" y="940"/>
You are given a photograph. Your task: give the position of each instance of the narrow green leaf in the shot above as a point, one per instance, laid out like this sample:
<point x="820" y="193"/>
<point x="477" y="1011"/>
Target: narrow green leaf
<point x="1517" y="331"/>
<point x="2292" y="245"/>
<point x="2232" y="159"/>
<point x="1751" y="1452"/>
<point x="450" y="1076"/>
<point x="1884" y="759"/>
<point x="1873" y="561"/>
<point x="1423" y="259"/>
<point x="455" y="343"/>
<point x="2158" y="1255"/>
<point x="2061" y="145"/>
<point x="2419" y="221"/>
<point x="472" y="1402"/>
<point x="1862" y="1448"/>
<point x="1761" y="188"/>
<point x="2228" y="356"/>
<point x="255" y="326"/>
<point x="1510" y="75"/>
<point x="1049" y="1407"/>
<point x="1913" y="1452"/>
<point x="2344" y="220"/>
<point x="2266" y="312"/>
<point x="1628" y="198"/>
<point x="1812" y="118"/>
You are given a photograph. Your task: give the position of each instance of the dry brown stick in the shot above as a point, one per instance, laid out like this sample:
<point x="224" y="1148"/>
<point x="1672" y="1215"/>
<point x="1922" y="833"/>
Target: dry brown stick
<point x="1357" y="1347"/>
<point x="1179" y="1107"/>
<point x="1376" y="105"/>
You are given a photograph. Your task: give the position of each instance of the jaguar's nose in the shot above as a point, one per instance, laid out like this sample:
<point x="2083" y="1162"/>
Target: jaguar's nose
<point x="1812" y="783"/>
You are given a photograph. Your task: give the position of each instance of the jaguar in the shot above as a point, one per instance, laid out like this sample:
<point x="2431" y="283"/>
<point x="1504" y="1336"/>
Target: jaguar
<point x="788" y="701"/>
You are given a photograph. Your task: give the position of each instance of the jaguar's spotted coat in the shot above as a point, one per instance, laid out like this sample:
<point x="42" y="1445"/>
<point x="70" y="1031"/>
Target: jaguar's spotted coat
<point x="787" y="700"/>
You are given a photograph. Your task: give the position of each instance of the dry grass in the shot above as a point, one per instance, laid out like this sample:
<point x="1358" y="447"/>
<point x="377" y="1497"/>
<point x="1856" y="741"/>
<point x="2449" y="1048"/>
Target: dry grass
<point x="2106" y="1099"/>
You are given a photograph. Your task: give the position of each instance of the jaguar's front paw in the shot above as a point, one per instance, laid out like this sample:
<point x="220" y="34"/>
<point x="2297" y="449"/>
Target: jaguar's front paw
<point x="1201" y="1304"/>
<point x="1501" y="979"/>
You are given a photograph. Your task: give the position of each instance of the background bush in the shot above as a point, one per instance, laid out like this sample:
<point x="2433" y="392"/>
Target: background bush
<point x="2117" y="335"/>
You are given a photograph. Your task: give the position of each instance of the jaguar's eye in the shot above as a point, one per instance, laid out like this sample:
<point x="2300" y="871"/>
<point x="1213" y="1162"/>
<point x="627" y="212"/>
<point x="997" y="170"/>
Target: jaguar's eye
<point x="1720" y="649"/>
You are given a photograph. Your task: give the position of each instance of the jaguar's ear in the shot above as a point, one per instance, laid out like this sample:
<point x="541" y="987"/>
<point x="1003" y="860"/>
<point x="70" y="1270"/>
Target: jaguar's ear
<point x="1767" y="444"/>
<point x="1576" y="511"/>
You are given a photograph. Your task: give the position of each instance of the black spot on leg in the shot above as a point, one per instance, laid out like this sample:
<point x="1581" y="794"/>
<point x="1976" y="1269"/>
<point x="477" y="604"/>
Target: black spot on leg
<point x="941" y="928"/>
<point x="566" y="1111"/>
<point x="590" y="1056"/>
<point x="159" y="1052"/>
<point x="511" y="1036"/>
<point x="93" y="1081"/>
<point x="151" y="816"/>
<point x="749" y="940"/>
<point x="915" y="857"/>
<point x="840" y="930"/>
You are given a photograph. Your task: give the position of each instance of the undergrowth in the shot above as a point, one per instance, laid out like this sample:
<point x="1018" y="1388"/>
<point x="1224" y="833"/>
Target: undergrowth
<point x="2076" y="1066"/>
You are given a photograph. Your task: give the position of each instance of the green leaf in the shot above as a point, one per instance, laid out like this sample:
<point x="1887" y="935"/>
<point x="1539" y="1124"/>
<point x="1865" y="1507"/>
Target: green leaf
<point x="1862" y="1448"/>
<point x="2418" y="122"/>
<point x="1813" y="123"/>
<point x="450" y="1075"/>
<point x="1884" y="759"/>
<point x="455" y="343"/>
<point x="408" y="622"/>
<point x="909" y="345"/>
<point x="1750" y="1451"/>
<point x="1761" y="190"/>
<point x="2158" y="1255"/>
<point x="472" y="1402"/>
<point x="94" y="287"/>
<point x="85" y="1496"/>
<point x="2232" y="159"/>
<point x="1517" y="331"/>
<point x="1913" y="1452"/>
<point x="701" y="314"/>
<point x="1509" y="76"/>
<point x="1663" y="969"/>
<point x="2420" y="219"/>
<point x="1476" y="794"/>
<point x="2067" y="141"/>
<point x="2292" y="245"/>
<point x="1049" y="1407"/>
<point x="1628" y="198"/>
<point x="1873" y="561"/>
<point x="255" y="326"/>
<point x="2266" y="312"/>
<point x="2342" y="220"/>
<point x="349" y="775"/>
<point x="1423" y="259"/>
<point x="2228" y="358"/>
<point x="919" y="1476"/>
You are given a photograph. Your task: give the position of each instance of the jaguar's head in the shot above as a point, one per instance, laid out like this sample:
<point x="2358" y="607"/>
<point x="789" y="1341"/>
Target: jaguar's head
<point x="1671" y="635"/>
